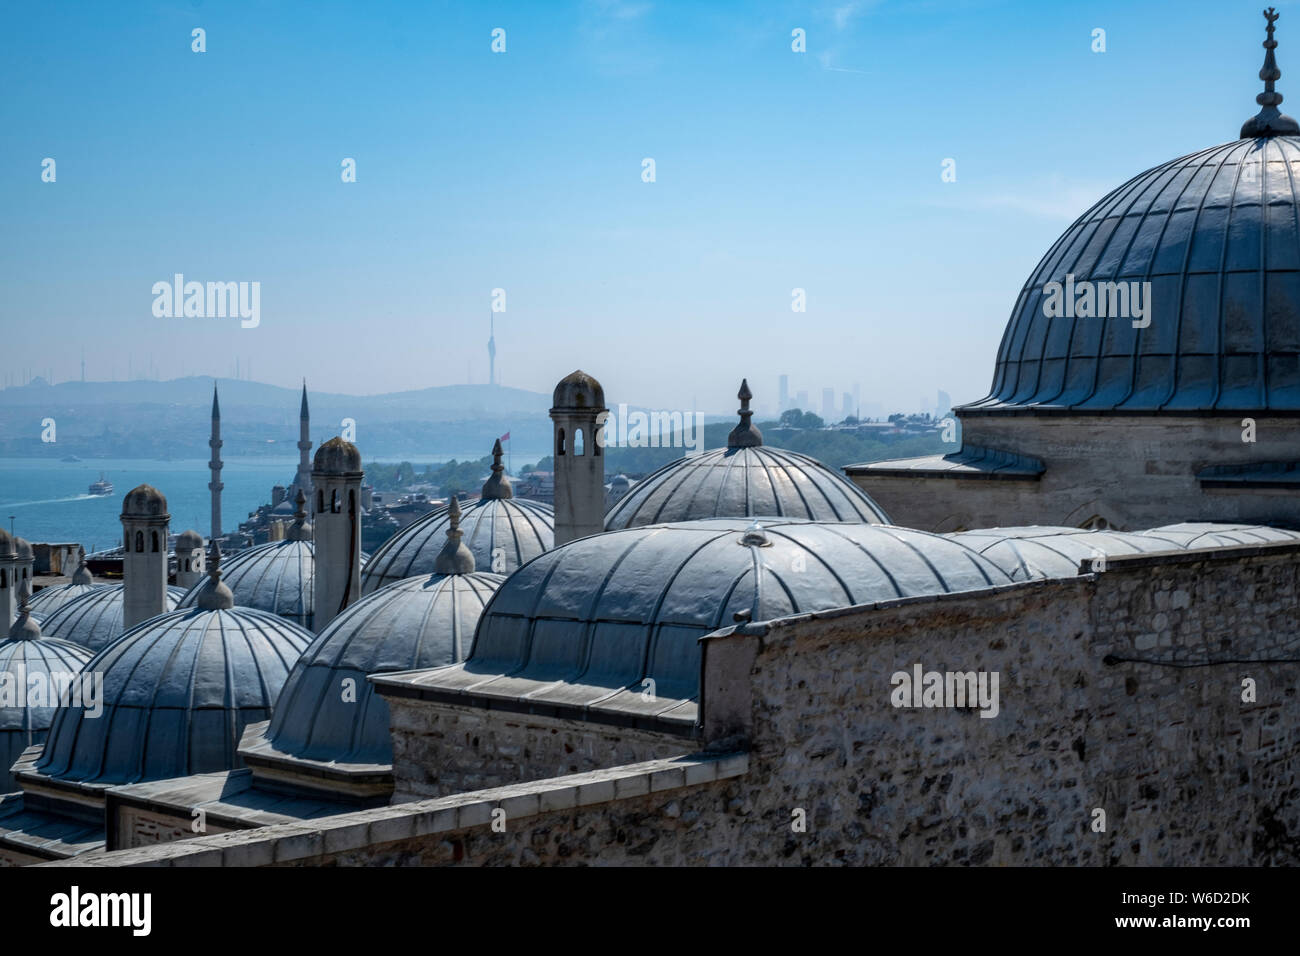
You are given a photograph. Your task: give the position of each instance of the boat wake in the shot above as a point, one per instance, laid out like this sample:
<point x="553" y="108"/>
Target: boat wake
<point x="49" y="501"/>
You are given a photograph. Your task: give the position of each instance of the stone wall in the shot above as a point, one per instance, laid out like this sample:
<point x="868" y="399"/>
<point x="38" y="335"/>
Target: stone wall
<point x="1093" y="716"/>
<point x="443" y="748"/>
<point x="1135" y="471"/>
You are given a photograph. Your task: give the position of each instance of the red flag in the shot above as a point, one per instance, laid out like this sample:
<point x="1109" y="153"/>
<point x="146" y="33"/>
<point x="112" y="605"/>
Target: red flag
<point x="505" y="437"/>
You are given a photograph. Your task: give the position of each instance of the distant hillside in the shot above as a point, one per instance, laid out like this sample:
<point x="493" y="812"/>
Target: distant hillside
<point x="171" y="419"/>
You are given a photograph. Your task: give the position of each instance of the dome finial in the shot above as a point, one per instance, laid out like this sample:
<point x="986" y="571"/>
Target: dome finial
<point x="82" y="574"/>
<point x="301" y="529"/>
<point x="24" y="628"/>
<point x="744" y="435"/>
<point x="454" y="558"/>
<point x="498" y="483"/>
<point x="1269" y="121"/>
<point x="215" y="596"/>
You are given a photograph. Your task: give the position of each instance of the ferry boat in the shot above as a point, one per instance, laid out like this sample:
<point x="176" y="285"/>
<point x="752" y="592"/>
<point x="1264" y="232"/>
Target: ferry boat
<point x="101" y="487"/>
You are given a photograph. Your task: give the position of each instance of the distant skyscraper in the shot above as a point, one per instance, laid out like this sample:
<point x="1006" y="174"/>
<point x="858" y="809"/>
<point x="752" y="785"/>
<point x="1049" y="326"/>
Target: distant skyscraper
<point x="848" y="406"/>
<point x="492" y="350"/>
<point x="783" y="393"/>
<point x="801" y="400"/>
<point x="945" y="402"/>
<point x="857" y="398"/>
<point x="828" y="404"/>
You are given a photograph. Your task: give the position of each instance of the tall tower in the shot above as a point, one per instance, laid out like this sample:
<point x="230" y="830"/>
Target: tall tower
<point x="303" y="479"/>
<point x="337" y="477"/>
<point x="577" y="415"/>
<point x="492" y="349"/>
<point x="144" y="565"/>
<point x="783" y="393"/>
<point x="214" y="466"/>
<point x="8" y="586"/>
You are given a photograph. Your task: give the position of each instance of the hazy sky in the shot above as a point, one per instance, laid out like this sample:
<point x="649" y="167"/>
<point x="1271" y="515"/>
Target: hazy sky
<point x="522" y="170"/>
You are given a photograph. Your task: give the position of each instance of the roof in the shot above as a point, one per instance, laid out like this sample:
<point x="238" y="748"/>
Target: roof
<point x="1217" y="235"/>
<point x="416" y="623"/>
<point x="612" y="622"/>
<point x="95" y="618"/>
<point x="512" y="531"/>
<point x="972" y="461"/>
<point x="1047" y="551"/>
<point x="743" y="482"/>
<point x="48" y="600"/>
<point x="276" y="577"/>
<point x="144" y="501"/>
<point x="178" y="690"/>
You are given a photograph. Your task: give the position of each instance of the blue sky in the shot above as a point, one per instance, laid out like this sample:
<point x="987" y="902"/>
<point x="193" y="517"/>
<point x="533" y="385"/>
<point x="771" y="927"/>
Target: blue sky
<point x="522" y="171"/>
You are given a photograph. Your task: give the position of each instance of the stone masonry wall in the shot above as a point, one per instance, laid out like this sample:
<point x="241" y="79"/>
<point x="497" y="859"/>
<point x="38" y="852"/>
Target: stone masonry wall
<point x="1135" y="471"/>
<point x="444" y="748"/>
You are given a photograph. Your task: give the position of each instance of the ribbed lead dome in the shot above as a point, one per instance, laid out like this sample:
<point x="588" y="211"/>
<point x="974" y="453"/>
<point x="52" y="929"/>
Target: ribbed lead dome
<point x="603" y="613"/>
<point x="416" y="623"/>
<point x="1217" y="234"/>
<point x="1044" y="551"/>
<point x="178" y="691"/>
<point x="48" y="600"/>
<point x="38" y="667"/>
<point x="516" y="529"/>
<point x="743" y="482"/>
<point x="276" y="577"/>
<point x="95" y="619"/>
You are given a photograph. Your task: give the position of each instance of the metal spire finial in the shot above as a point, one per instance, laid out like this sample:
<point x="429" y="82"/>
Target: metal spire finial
<point x="82" y="574"/>
<point x="498" y="483"/>
<point x="215" y="595"/>
<point x="301" y="529"/>
<point x="24" y="627"/>
<point x="1269" y="121"/>
<point x="745" y="435"/>
<point x="454" y="558"/>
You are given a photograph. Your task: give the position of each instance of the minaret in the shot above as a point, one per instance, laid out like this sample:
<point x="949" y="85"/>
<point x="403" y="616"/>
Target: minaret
<point x="25" y="565"/>
<point x="144" y="565"/>
<point x="1269" y="121"/>
<point x="214" y="466"/>
<point x="578" y="414"/>
<point x="8" y="586"/>
<point x="492" y="349"/>
<point x="303" y="480"/>
<point x="336" y="478"/>
<point x="189" y="558"/>
<point x="746" y="434"/>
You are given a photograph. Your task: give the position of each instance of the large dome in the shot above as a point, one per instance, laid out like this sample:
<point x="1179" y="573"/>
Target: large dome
<point x="596" y="617"/>
<point x="1217" y="234"/>
<point x="94" y="619"/>
<point x="178" y="691"/>
<point x="275" y="577"/>
<point x="415" y="623"/>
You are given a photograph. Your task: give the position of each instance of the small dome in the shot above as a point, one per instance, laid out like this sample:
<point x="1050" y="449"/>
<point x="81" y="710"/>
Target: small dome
<point x="607" y="611"/>
<point x="48" y="600"/>
<point x="743" y="482"/>
<point x="1204" y="534"/>
<point x="515" y="530"/>
<point x="413" y="624"/>
<point x="178" y="690"/>
<point x="337" y="457"/>
<point x="578" y="390"/>
<point x="94" y="619"/>
<point x="8" y="550"/>
<point x="1045" y="551"/>
<point x="38" y="666"/>
<point x="276" y="577"/>
<point x="23" y="548"/>
<point x="144" y="501"/>
<point x="189" y="541"/>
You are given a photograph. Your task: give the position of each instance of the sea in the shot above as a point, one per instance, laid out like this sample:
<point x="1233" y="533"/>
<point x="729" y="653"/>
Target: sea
<point x="47" y="501"/>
